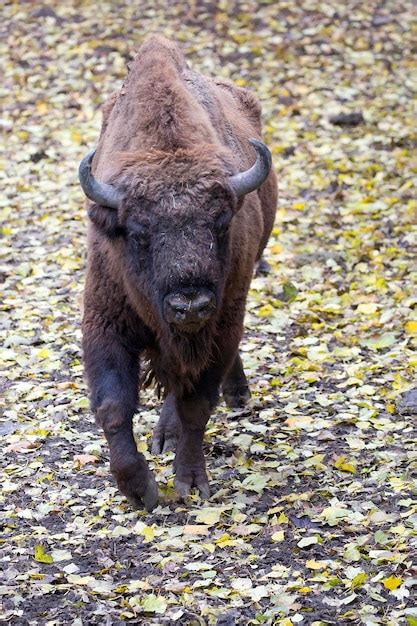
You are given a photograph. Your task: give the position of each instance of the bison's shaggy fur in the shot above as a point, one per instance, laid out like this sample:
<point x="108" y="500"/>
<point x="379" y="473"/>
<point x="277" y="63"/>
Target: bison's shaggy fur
<point x="170" y="140"/>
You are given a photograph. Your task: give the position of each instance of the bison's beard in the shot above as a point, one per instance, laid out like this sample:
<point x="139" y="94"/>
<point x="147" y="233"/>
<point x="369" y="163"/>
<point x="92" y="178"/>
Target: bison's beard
<point x="181" y="359"/>
<point x="193" y="350"/>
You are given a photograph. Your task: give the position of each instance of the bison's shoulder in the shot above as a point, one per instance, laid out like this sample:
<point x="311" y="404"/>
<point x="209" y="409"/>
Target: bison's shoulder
<point x="244" y="98"/>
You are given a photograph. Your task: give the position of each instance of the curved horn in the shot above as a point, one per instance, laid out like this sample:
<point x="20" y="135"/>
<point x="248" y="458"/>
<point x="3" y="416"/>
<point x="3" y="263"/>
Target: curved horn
<point x="102" y="193"/>
<point x="252" y="179"/>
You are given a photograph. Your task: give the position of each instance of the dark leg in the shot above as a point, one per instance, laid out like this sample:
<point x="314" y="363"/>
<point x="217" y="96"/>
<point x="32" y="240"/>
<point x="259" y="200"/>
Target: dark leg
<point x="235" y="385"/>
<point x="194" y="411"/>
<point x="112" y="374"/>
<point x="166" y="433"/>
<point x="262" y="267"/>
<point x="190" y="468"/>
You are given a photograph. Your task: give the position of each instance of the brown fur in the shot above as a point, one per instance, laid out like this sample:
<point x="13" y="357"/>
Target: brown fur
<point x="170" y="139"/>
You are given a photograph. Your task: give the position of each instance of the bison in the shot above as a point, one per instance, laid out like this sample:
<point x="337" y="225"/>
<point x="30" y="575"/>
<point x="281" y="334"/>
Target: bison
<point x="181" y="200"/>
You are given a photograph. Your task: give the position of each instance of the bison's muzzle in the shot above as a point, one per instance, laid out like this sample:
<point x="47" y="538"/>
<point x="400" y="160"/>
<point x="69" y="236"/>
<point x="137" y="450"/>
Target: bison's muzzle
<point x="189" y="312"/>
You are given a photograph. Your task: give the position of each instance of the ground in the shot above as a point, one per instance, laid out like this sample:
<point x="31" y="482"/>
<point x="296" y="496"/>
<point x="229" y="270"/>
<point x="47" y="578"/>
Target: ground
<point x="312" y="518"/>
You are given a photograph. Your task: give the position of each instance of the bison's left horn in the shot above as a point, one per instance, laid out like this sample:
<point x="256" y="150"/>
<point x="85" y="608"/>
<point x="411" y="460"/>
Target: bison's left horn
<point x="102" y="193"/>
<point x="252" y="179"/>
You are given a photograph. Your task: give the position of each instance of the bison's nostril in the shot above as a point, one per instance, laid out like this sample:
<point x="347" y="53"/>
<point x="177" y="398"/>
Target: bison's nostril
<point x="203" y="305"/>
<point x="179" y="315"/>
<point x="189" y="311"/>
<point x="204" y="311"/>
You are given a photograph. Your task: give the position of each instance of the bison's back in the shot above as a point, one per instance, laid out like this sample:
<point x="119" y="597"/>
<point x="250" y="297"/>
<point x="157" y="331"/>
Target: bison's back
<point x="164" y="105"/>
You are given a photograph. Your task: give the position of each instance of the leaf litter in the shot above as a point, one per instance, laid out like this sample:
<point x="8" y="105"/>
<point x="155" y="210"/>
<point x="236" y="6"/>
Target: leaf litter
<point x="313" y="516"/>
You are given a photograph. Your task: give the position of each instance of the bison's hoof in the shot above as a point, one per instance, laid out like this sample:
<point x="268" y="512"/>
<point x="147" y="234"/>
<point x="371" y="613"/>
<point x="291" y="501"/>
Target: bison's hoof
<point x="164" y="440"/>
<point x="186" y="480"/>
<point x="236" y="398"/>
<point x="137" y="483"/>
<point x="150" y="497"/>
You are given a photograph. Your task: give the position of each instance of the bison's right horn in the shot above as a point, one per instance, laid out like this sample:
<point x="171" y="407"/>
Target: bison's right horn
<point x="252" y="179"/>
<point x="101" y="193"/>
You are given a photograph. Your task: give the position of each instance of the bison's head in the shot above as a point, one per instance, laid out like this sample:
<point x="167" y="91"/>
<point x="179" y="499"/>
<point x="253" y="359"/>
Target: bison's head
<point x="170" y="215"/>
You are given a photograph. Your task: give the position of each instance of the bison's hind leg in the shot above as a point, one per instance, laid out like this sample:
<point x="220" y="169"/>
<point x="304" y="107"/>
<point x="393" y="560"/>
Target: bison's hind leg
<point x="262" y="267"/>
<point x="166" y="432"/>
<point x="236" y="390"/>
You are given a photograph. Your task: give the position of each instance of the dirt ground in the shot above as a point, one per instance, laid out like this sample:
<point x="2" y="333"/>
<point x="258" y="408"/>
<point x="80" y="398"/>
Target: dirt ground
<point x="313" y="513"/>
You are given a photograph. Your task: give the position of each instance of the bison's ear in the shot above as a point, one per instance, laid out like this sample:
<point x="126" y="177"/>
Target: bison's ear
<point x="105" y="219"/>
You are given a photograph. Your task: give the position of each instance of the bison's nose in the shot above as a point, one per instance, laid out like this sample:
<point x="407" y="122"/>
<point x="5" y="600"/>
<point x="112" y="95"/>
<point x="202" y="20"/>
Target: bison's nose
<point x="189" y="312"/>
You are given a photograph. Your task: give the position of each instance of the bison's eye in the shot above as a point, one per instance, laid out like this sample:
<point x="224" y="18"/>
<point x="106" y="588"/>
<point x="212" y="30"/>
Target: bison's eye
<point x="138" y="235"/>
<point x="223" y="222"/>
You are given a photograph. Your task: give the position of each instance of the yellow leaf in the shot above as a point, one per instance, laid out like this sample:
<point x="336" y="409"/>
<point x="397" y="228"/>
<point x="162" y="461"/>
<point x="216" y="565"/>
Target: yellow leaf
<point x="76" y="135"/>
<point x="411" y="327"/>
<point x="344" y="466"/>
<point x="282" y="519"/>
<point x="40" y="432"/>
<point x="148" y="533"/>
<point x="150" y="604"/>
<point x="41" y="556"/>
<point x="75" y="579"/>
<point x="210" y="547"/>
<point x="305" y="590"/>
<point x="225" y="541"/>
<point x="265" y="311"/>
<point x="392" y="582"/>
<point x="358" y="580"/>
<point x="141" y="446"/>
<point x="313" y="564"/>
<point x="278" y="536"/>
<point x="379" y="342"/>
<point x="43" y="353"/>
<point x="369" y="308"/>
<point x="42" y="108"/>
<point x="209" y="515"/>
<point x="298" y="206"/>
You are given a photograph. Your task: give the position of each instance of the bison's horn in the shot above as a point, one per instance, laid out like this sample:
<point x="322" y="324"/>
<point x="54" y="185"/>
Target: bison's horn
<point x="101" y="193"/>
<point x="252" y="179"/>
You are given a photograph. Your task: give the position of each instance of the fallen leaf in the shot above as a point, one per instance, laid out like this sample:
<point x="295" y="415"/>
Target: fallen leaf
<point x="196" y="529"/>
<point x="41" y="556"/>
<point x="84" y="459"/>
<point x="392" y="582"/>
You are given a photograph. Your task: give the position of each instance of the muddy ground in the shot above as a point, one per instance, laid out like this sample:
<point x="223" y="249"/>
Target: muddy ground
<point x="313" y="513"/>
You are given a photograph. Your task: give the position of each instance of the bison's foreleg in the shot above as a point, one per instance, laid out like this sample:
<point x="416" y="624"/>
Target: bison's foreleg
<point x="112" y="374"/>
<point x="190" y="469"/>
<point x="194" y="411"/>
